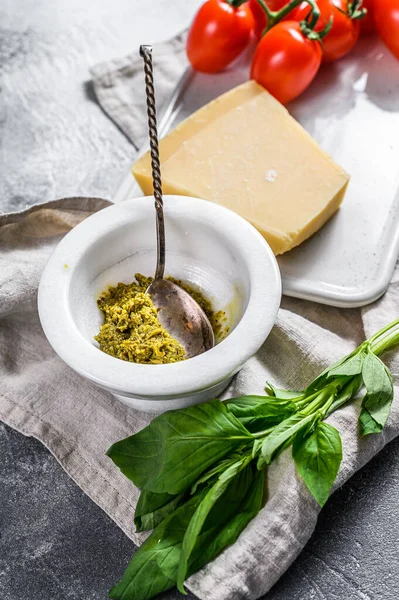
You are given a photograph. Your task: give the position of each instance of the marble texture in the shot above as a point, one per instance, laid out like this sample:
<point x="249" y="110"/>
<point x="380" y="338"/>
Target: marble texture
<point x="54" y="138"/>
<point x="55" y="141"/>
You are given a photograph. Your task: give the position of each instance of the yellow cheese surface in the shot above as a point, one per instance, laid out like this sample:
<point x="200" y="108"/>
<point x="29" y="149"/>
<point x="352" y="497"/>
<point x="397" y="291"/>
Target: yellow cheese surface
<point x="246" y="152"/>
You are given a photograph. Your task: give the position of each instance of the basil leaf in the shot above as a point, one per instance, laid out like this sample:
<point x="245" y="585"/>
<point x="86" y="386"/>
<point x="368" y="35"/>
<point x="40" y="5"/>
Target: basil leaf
<point x="260" y="412"/>
<point x="178" y="446"/>
<point x="349" y="390"/>
<point x="368" y="424"/>
<point x="153" y="508"/>
<point x="198" y="520"/>
<point x="281" y="434"/>
<point x="215" y="470"/>
<point x="257" y="447"/>
<point x="317" y="458"/>
<point x="282" y="394"/>
<point x="379" y="386"/>
<point x="153" y="568"/>
<point x="240" y="513"/>
<point x="351" y="366"/>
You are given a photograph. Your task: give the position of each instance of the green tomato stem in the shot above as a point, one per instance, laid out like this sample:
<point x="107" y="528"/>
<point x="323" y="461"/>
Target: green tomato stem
<point x="355" y="10"/>
<point x="265" y="9"/>
<point x="274" y="17"/>
<point x="316" y="35"/>
<point x="235" y="3"/>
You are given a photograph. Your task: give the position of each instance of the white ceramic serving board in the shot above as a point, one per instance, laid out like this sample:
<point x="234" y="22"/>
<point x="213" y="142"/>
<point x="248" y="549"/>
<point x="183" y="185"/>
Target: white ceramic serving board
<point x="352" y="110"/>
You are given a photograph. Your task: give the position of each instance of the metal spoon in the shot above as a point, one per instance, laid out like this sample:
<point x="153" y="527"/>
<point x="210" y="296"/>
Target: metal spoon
<point x="178" y="312"/>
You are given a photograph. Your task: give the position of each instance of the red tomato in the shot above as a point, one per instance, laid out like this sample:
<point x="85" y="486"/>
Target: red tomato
<point x="344" y="32"/>
<point x="259" y="17"/>
<point x="367" y="25"/>
<point x="218" y="35"/>
<point x="386" y="18"/>
<point x="285" y="61"/>
<point x="259" y="13"/>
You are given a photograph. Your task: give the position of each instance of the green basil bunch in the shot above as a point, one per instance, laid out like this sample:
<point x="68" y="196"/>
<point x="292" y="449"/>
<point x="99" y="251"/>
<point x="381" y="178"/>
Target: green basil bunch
<point x="201" y="469"/>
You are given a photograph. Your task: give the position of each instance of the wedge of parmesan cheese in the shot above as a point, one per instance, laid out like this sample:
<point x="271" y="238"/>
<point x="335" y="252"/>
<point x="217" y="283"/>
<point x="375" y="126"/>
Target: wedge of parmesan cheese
<point x="246" y="152"/>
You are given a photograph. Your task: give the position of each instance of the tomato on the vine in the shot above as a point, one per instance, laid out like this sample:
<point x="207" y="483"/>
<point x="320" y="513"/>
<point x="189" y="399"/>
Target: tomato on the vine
<point x="221" y="30"/>
<point x="259" y="13"/>
<point x="386" y="18"/>
<point x="286" y="61"/>
<point x="345" y="26"/>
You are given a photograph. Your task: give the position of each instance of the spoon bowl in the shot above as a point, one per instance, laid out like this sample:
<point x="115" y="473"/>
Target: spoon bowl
<point x="182" y="317"/>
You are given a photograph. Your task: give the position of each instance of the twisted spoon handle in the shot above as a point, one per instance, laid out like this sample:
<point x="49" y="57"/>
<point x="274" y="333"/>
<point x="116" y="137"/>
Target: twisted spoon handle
<point x="146" y="53"/>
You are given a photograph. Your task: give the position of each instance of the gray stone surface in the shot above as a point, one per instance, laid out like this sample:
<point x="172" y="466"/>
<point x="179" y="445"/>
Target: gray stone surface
<point x="55" y="543"/>
<point x="55" y="141"/>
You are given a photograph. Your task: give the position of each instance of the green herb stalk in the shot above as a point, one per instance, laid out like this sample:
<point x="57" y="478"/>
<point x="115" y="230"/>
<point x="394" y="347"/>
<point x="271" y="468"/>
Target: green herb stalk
<point x="201" y="469"/>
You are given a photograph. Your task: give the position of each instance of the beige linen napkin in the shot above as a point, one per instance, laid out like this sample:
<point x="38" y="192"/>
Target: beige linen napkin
<point x="119" y="85"/>
<point x="41" y="397"/>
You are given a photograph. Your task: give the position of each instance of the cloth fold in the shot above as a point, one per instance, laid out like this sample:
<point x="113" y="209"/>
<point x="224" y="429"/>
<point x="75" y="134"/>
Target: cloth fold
<point x="119" y="86"/>
<point x="41" y="397"/>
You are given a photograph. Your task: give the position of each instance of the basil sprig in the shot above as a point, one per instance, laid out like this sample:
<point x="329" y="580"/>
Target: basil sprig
<point x="201" y="470"/>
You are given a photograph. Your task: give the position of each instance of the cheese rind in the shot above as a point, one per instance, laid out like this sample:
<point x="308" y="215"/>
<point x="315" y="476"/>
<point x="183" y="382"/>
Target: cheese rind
<point x="246" y="152"/>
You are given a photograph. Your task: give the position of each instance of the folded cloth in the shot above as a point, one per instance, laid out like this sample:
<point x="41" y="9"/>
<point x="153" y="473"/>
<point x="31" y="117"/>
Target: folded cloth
<point x="120" y="90"/>
<point x="41" y="397"/>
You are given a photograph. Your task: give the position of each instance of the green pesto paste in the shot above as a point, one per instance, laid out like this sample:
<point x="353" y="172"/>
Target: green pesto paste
<point x="132" y="331"/>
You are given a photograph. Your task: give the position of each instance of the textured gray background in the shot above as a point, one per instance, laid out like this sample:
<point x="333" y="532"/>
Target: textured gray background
<point x="55" y="141"/>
